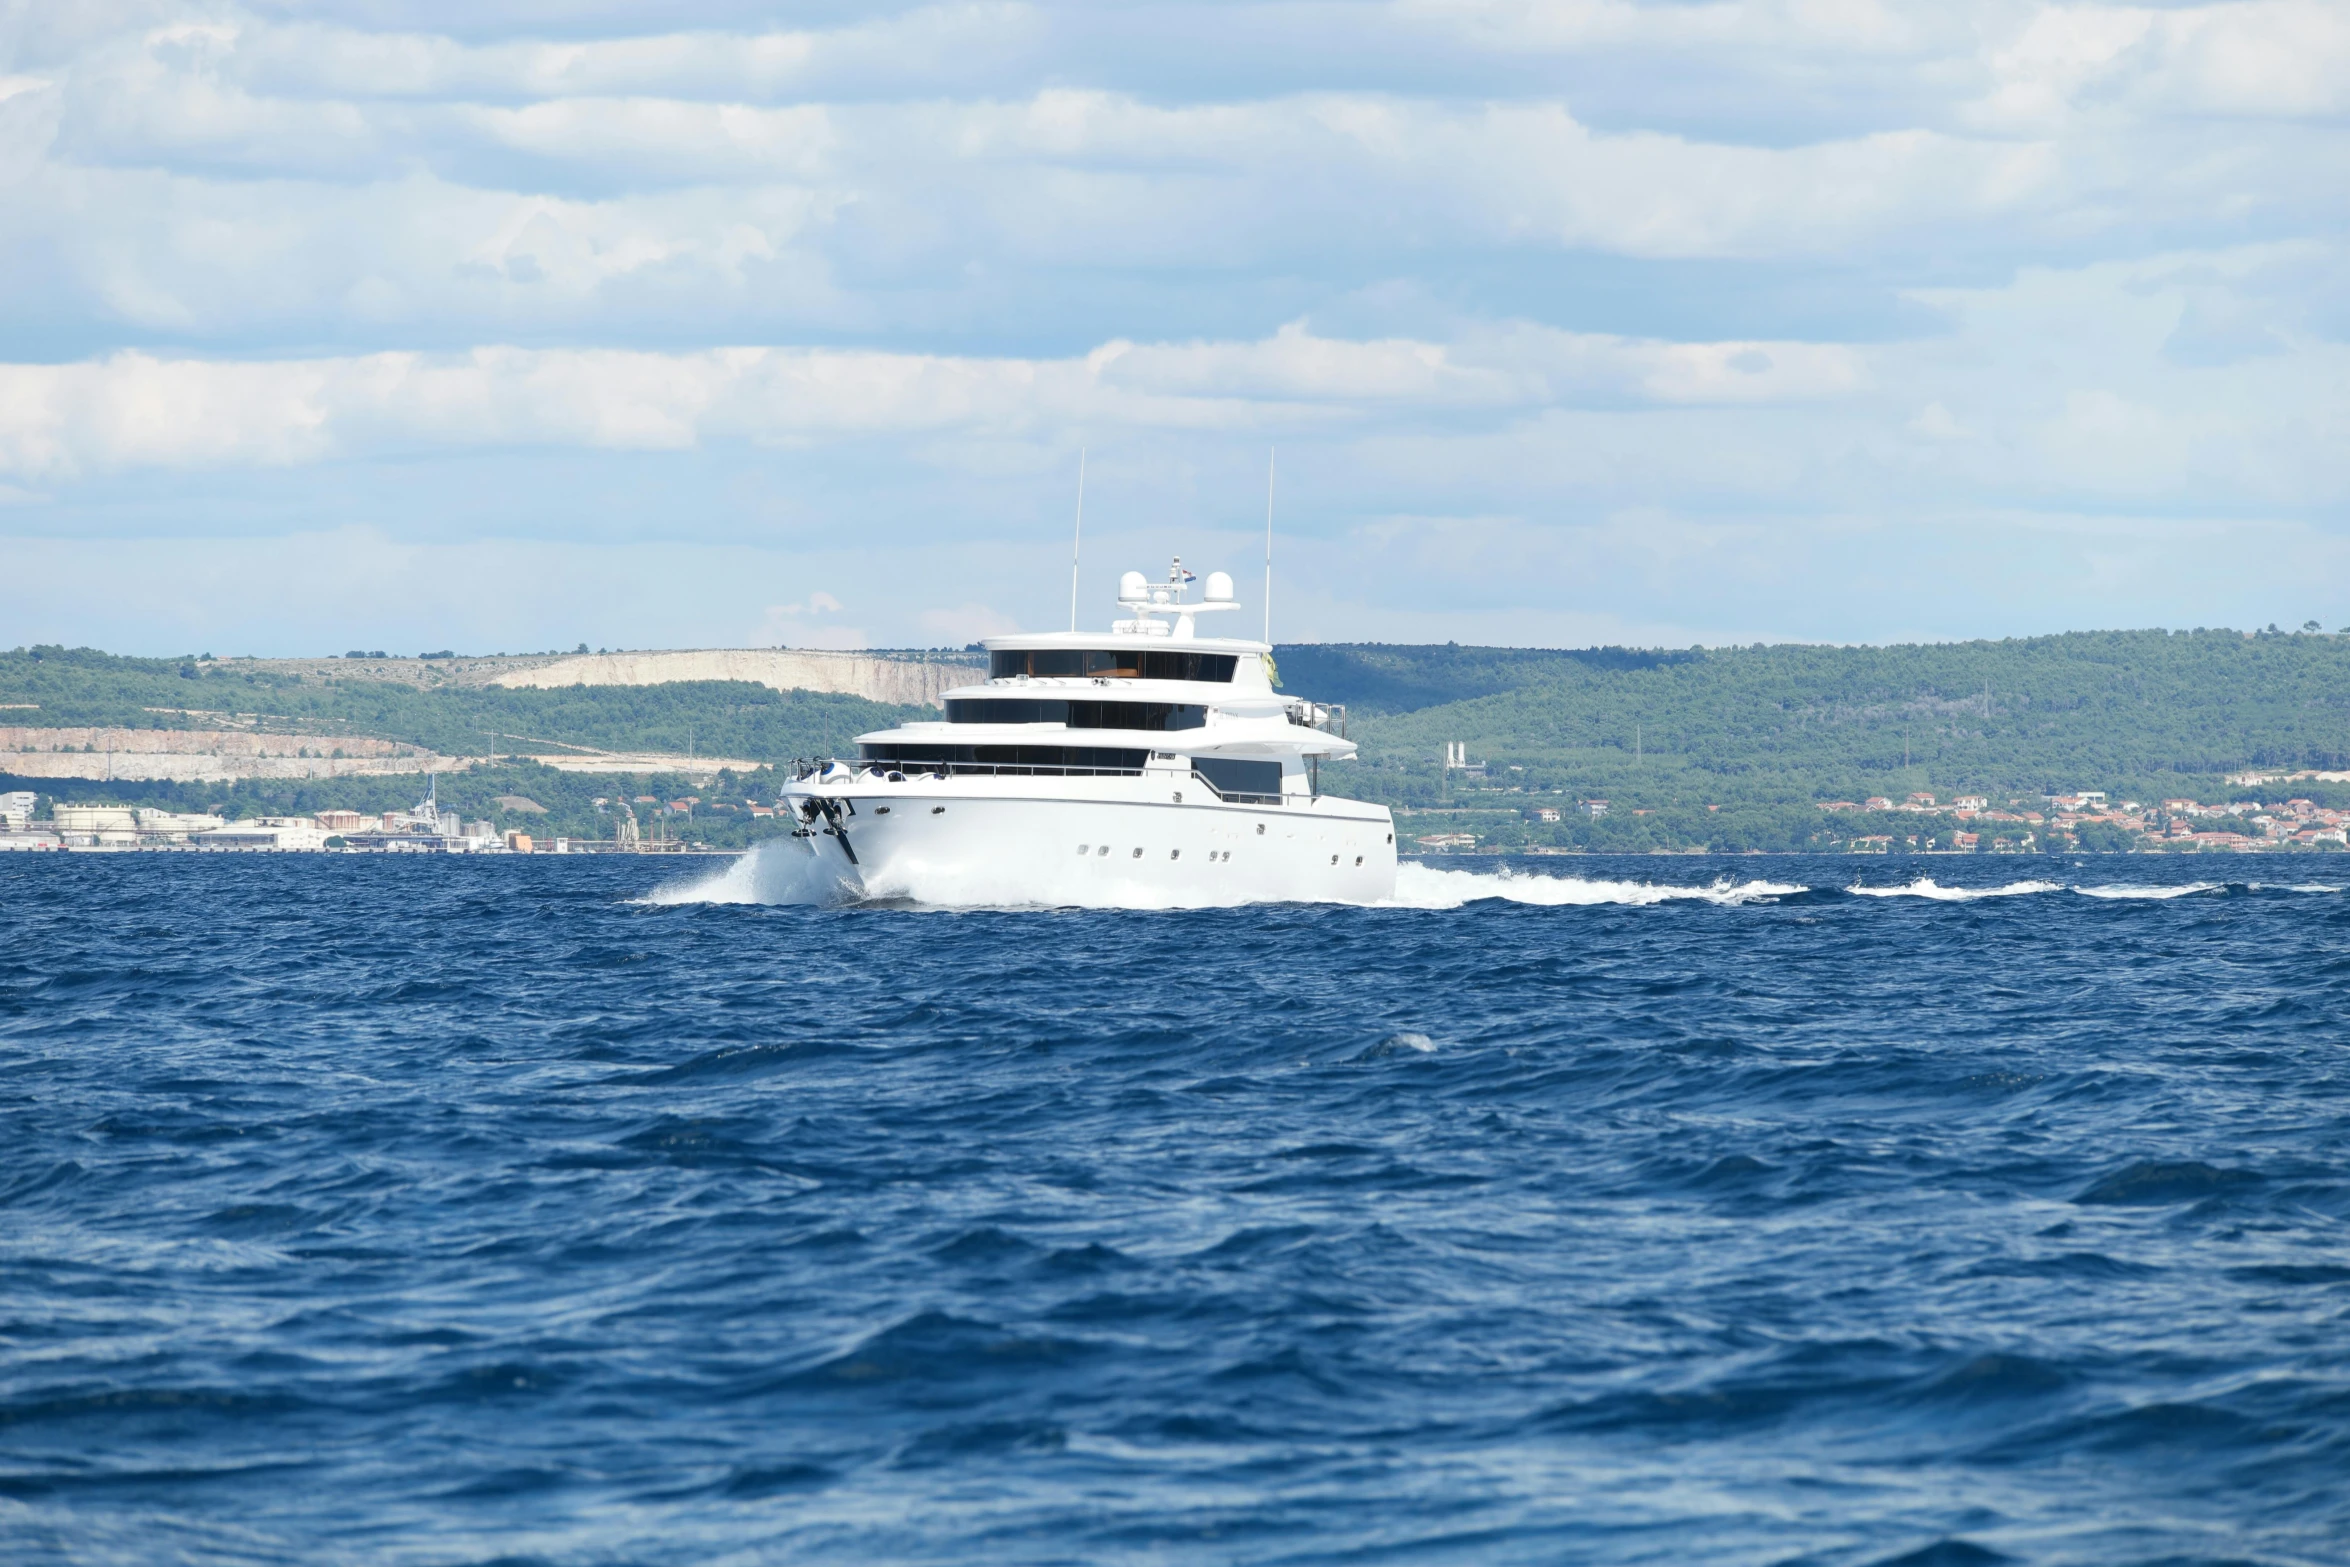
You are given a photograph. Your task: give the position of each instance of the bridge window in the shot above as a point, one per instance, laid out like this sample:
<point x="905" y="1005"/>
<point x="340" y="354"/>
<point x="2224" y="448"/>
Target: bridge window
<point x="1061" y="663"/>
<point x="1153" y="716"/>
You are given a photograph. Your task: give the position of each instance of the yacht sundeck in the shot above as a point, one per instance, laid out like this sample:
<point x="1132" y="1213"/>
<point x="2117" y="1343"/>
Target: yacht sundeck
<point x="1146" y="766"/>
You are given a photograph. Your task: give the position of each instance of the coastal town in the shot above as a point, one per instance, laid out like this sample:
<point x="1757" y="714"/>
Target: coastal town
<point x="1923" y="823"/>
<point x="425" y="828"/>
<point x="1971" y="824"/>
<point x="1919" y="823"/>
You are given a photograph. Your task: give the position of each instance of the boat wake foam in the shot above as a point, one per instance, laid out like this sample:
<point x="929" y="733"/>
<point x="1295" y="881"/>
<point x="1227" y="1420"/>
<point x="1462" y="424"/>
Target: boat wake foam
<point x="2124" y="890"/>
<point x="1426" y="887"/>
<point x="1927" y="887"/>
<point x="778" y="872"/>
<point x="785" y="873"/>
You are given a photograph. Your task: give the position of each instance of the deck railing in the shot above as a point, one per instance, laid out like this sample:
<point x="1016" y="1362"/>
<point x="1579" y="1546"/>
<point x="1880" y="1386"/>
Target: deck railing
<point x="1328" y="718"/>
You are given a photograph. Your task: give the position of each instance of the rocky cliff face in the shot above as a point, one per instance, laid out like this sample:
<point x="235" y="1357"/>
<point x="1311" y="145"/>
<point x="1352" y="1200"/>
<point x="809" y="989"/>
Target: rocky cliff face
<point x="205" y="755"/>
<point x="878" y="677"/>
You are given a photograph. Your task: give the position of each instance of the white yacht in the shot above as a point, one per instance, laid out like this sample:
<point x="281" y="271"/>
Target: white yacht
<point x="1147" y="767"/>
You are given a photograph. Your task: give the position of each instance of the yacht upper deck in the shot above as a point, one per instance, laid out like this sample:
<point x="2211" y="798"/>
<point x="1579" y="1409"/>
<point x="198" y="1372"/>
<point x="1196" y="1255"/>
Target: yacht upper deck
<point x="1147" y="684"/>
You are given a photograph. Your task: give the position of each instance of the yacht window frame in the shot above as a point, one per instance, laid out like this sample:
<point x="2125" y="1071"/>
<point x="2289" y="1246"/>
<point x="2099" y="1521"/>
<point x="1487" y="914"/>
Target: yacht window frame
<point x="1114" y="663"/>
<point x="1077" y="713"/>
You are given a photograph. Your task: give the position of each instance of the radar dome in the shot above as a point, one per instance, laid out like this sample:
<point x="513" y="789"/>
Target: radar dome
<point x="1219" y="587"/>
<point x="1133" y="586"/>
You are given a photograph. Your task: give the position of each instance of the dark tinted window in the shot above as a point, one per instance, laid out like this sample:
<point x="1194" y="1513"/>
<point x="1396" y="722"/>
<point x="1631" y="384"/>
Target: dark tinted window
<point x="1240" y="780"/>
<point x="1156" y="716"/>
<point x="1163" y="664"/>
<point x="1005" y="710"/>
<point x="1114" y="664"/>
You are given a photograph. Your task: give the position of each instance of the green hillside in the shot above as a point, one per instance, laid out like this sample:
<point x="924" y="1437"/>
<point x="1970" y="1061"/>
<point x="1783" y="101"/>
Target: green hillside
<point x="2128" y="710"/>
<point x="1379" y="678"/>
<point x="1722" y="747"/>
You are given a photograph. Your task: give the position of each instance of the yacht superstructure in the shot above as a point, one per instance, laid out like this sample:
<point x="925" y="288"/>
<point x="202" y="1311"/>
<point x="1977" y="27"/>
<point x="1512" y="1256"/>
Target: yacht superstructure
<point x="1144" y="766"/>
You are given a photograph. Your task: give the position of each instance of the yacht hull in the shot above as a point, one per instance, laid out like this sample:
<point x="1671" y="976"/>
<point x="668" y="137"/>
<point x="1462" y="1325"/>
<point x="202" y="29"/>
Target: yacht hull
<point x="1156" y="842"/>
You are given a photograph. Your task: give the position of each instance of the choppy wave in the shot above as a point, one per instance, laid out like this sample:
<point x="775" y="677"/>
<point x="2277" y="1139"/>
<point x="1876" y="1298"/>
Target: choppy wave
<point x="1823" y="1228"/>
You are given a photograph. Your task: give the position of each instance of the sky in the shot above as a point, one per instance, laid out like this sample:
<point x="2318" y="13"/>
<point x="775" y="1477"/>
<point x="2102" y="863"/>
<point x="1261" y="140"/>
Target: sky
<point x="508" y="325"/>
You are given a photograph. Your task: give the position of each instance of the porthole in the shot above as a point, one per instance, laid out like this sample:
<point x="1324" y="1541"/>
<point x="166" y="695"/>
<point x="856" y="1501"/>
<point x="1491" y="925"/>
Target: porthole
<point x="1358" y="859"/>
<point x="1391" y="837"/>
<point x="1260" y="829"/>
<point x="1174" y="854"/>
<point x="881" y="810"/>
<point x="1085" y="848"/>
<point x="1334" y="859"/>
<point x="1105" y="849"/>
<point x="1138" y="854"/>
<point x="938" y="810"/>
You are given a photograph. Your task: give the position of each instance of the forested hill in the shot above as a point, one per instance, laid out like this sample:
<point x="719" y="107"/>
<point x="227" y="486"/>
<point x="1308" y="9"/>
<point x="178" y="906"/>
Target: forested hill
<point x="2137" y="711"/>
<point x="1374" y="678"/>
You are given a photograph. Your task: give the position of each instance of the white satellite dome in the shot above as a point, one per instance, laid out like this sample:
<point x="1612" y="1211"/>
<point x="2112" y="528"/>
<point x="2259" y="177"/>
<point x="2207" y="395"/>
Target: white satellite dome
<point x="1219" y="590"/>
<point x="1134" y="585"/>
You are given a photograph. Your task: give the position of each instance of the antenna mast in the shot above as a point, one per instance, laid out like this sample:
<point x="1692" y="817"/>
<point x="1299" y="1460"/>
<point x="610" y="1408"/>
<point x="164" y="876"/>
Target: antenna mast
<point x="1269" y="453"/>
<point x="1077" y="542"/>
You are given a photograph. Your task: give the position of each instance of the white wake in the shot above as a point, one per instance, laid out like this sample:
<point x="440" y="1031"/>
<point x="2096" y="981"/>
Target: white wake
<point x="781" y="871"/>
<point x="784" y="872"/>
<point x="2125" y="890"/>
<point x="1426" y="887"/>
<point x="1927" y="887"/>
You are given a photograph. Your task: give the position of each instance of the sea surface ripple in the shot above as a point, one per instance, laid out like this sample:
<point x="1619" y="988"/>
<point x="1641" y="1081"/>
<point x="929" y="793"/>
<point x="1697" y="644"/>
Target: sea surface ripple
<point x="1620" y="1211"/>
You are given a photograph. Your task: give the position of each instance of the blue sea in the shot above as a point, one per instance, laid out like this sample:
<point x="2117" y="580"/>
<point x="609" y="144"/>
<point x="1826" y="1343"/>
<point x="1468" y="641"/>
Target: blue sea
<point x="418" y="1211"/>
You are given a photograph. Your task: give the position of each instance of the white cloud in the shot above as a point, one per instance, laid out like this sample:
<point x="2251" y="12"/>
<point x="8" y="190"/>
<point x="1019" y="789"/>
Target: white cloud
<point x="1834" y="26"/>
<point x="934" y="44"/>
<point x="666" y="138"/>
<point x="137" y="410"/>
<point x="2112" y="408"/>
<point x="964" y="624"/>
<point x="805" y="625"/>
<point x="1937" y="423"/>
<point x="1566" y="313"/>
<point x="966" y="182"/>
<point x="237" y="177"/>
<point x="2262" y="59"/>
